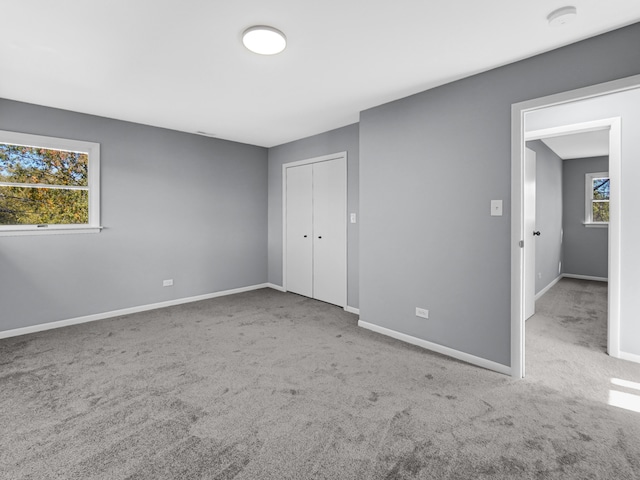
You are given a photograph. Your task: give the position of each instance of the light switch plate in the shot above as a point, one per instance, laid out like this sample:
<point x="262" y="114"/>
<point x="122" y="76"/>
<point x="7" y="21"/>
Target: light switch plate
<point x="496" y="208"/>
<point x="353" y="218"/>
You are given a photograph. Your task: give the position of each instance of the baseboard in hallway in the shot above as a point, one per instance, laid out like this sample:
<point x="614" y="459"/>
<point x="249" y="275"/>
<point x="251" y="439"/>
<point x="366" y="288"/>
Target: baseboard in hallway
<point x="568" y="275"/>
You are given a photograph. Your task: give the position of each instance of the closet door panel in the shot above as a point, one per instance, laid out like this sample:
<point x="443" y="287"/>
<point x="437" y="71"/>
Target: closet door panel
<point x="330" y="231"/>
<point x="299" y="234"/>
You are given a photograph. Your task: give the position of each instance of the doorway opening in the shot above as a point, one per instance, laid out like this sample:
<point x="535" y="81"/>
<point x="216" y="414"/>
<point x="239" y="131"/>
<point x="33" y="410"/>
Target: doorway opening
<point x="566" y="251"/>
<point x="522" y="239"/>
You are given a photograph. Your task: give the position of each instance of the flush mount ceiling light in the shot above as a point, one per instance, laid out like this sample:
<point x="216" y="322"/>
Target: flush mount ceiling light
<point x="562" y="16"/>
<point x="264" y="40"/>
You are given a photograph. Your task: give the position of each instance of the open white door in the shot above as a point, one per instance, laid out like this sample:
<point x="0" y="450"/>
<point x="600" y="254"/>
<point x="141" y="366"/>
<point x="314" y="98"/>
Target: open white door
<point x="529" y="229"/>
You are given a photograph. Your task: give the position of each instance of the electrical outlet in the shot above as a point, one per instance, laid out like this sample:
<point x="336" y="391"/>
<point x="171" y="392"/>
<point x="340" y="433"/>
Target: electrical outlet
<point x="167" y="283"/>
<point x="422" y="312"/>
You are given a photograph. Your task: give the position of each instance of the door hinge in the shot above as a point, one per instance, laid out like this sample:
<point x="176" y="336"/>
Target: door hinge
<point x="521" y="243"/>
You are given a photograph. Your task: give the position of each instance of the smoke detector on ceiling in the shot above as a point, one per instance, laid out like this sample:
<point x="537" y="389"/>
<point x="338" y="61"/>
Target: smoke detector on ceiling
<point x="562" y="16"/>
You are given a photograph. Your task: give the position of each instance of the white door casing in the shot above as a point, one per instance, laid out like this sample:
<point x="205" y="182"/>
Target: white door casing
<point x="518" y="137"/>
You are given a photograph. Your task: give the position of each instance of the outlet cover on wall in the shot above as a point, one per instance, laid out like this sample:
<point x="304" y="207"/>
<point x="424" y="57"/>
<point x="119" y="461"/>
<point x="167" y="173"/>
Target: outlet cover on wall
<point x="167" y="283"/>
<point x="422" y="312"/>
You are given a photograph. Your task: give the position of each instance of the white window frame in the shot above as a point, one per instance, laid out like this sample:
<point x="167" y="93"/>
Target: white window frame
<point x="93" y="183"/>
<point x="588" y="204"/>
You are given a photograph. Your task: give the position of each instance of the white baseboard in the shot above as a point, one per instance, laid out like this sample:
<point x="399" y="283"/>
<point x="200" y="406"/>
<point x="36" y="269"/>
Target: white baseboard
<point x="275" y="287"/>
<point x="585" y="277"/>
<point x="548" y="287"/>
<point x="282" y="289"/>
<point x="568" y="275"/>
<point x="631" y="357"/>
<point x="125" y="311"/>
<point x="465" y="357"/>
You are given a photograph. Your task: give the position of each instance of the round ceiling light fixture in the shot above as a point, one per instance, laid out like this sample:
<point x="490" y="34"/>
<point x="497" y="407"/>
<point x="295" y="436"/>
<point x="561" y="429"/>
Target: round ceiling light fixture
<point x="562" y="16"/>
<point x="264" y="40"/>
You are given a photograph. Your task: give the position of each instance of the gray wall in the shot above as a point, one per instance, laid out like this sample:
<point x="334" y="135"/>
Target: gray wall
<point x="548" y="214"/>
<point x="586" y="249"/>
<point x="339" y="140"/>
<point x="430" y="164"/>
<point x="174" y="205"/>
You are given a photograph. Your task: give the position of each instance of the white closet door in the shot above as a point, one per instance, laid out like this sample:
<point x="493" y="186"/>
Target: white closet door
<point x="299" y="211"/>
<point x="330" y="231"/>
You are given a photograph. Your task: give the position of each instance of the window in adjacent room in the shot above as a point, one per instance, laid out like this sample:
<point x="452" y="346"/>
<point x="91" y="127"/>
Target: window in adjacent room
<point x="597" y="187"/>
<point x="48" y="185"/>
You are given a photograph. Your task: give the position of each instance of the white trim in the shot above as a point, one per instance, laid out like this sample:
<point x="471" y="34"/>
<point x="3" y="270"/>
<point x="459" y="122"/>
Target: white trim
<point x="518" y="111"/>
<point x="44" y="186"/>
<point x="568" y="275"/>
<point x="595" y="225"/>
<point x="93" y="182"/>
<point x="548" y="287"/>
<point x="323" y="158"/>
<point x="51" y="230"/>
<point x="349" y="309"/>
<point x="42" y="141"/>
<point x="275" y="287"/>
<point x="450" y="352"/>
<point x="585" y="277"/>
<point x="517" y="241"/>
<point x="614" y="86"/>
<point x="614" y="233"/>
<point x="125" y="311"/>
<point x="630" y="357"/>
<point x="585" y="127"/>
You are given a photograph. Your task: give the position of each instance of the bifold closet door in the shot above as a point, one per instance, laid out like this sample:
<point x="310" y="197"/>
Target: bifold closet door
<point x="316" y="231"/>
<point x="299" y="212"/>
<point x="330" y="231"/>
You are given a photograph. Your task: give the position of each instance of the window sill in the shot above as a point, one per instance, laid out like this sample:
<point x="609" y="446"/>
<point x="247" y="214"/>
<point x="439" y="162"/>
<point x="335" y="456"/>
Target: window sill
<point x="50" y="230"/>
<point x="596" y="225"/>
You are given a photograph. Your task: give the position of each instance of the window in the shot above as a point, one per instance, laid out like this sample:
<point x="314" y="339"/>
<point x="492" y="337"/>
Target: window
<point x="48" y="185"/>
<point x="597" y="199"/>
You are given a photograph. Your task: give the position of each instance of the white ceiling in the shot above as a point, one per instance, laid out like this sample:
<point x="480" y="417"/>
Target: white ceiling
<point x="180" y="64"/>
<point x="580" y="145"/>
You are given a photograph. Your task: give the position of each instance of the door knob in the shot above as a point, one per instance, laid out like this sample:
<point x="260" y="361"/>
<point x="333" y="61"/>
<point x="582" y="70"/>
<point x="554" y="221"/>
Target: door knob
<point x="320" y="236"/>
<point x="536" y="233"/>
<point x="305" y="236"/>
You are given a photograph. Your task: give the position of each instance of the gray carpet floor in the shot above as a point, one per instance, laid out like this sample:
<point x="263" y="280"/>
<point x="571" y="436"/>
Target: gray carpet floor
<point x="267" y="385"/>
